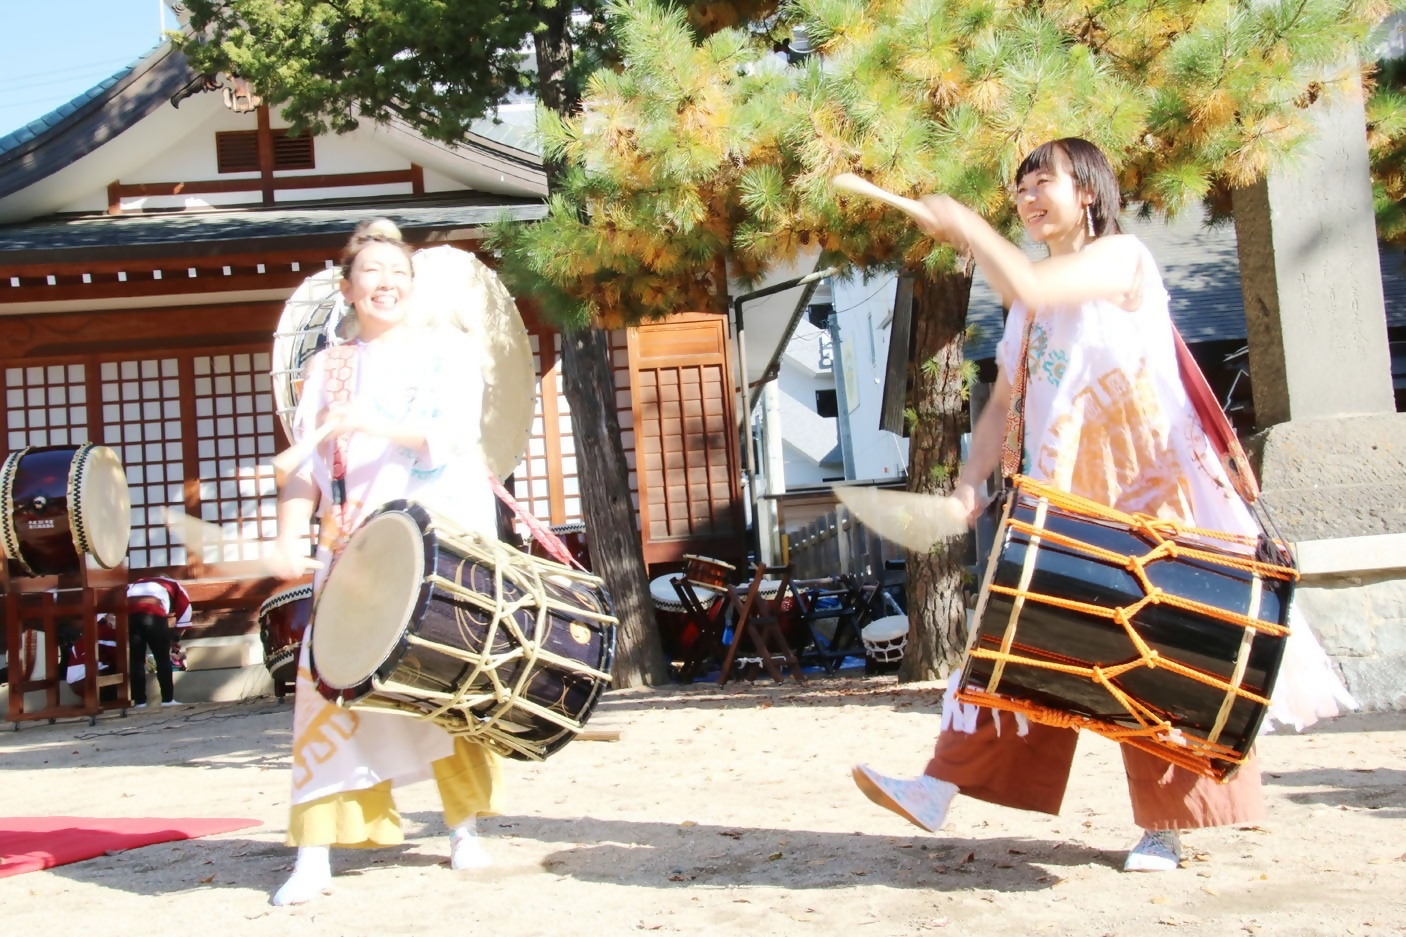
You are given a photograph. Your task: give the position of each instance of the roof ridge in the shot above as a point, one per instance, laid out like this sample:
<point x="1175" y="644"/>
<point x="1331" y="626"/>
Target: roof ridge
<point x="47" y="122"/>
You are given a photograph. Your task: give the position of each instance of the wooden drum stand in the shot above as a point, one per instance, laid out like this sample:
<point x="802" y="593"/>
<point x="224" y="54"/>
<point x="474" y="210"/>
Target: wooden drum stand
<point x="37" y="605"/>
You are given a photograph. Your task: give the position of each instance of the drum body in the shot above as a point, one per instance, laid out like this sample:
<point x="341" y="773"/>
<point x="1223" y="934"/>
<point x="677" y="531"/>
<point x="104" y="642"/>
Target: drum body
<point x="788" y="614"/>
<point x="885" y="639"/>
<point x="707" y="572"/>
<point x="1047" y="635"/>
<point x="677" y="632"/>
<point x="411" y="620"/>
<point x="62" y="502"/>
<point x="573" y="537"/>
<point x="282" y="619"/>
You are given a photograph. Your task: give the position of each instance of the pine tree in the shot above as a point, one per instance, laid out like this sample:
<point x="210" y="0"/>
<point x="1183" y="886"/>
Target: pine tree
<point x="698" y="150"/>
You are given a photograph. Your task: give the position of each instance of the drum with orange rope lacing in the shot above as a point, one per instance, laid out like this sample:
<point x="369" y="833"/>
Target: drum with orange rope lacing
<point x="1160" y="636"/>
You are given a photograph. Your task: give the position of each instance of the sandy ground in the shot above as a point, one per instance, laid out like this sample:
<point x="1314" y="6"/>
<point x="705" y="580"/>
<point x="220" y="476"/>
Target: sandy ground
<point x="717" y="813"/>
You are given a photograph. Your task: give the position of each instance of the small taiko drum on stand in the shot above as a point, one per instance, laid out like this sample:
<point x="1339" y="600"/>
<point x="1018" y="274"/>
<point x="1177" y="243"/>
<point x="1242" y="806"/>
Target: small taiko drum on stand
<point x="788" y="614"/>
<point x="283" y="618"/>
<point x="61" y="503"/>
<point x="1165" y="638"/>
<point x="677" y="632"/>
<point x="573" y="537"/>
<point x="420" y="618"/>
<point x="708" y="573"/>
<point x="885" y="640"/>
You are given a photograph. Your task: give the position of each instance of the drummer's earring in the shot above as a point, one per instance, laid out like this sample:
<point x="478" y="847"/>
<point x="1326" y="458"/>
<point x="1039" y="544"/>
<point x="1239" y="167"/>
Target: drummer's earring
<point x="1089" y="216"/>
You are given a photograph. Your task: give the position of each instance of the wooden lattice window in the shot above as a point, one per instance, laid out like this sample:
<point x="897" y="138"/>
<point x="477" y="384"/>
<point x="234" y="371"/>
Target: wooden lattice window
<point x="235" y="439"/>
<point x="141" y="417"/>
<point x="238" y="150"/>
<point x="46" y="405"/>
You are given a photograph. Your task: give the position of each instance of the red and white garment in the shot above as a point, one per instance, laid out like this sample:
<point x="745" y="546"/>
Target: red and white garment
<point x="159" y="596"/>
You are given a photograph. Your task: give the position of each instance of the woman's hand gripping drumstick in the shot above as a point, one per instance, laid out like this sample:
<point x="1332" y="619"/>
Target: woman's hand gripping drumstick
<point x="291" y="459"/>
<point x="938" y="215"/>
<point x="281" y="563"/>
<point x="856" y="185"/>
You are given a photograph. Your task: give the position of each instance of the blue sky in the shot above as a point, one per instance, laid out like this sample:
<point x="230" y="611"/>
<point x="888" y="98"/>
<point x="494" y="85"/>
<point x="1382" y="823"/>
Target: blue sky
<point x="53" y="50"/>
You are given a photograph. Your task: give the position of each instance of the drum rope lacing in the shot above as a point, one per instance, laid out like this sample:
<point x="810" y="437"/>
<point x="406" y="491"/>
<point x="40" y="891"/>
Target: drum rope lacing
<point x="508" y="698"/>
<point x="1164" y="534"/>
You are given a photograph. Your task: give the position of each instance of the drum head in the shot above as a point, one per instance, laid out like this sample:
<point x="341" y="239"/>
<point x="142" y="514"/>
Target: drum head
<point x="100" y="506"/>
<point x="369" y="598"/>
<point x="885" y="629"/>
<point x="661" y="589"/>
<point x="455" y="288"/>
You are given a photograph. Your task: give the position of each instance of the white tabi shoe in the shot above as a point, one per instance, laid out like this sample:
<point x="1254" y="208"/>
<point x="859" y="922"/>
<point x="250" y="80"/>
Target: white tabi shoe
<point x="466" y="849"/>
<point x="312" y="875"/>
<point x="922" y="801"/>
<point x="1157" y="851"/>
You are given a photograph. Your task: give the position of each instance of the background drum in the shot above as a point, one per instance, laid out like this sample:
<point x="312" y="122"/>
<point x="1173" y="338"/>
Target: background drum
<point x="677" y="632"/>
<point x="1048" y="640"/>
<point x="707" y="572"/>
<point x="411" y="620"/>
<point x="309" y="323"/>
<point x="62" y="502"/>
<point x="453" y="288"/>
<point x="885" y="640"/>
<point x="573" y="537"/>
<point x="282" y="619"/>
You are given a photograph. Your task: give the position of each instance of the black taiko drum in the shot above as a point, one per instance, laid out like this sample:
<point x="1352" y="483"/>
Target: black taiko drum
<point x="420" y="618"/>
<point x="1046" y="632"/>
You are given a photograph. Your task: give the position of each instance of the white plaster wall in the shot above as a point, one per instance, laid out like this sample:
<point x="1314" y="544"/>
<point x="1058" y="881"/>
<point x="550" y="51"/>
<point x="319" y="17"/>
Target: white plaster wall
<point x="862" y="310"/>
<point x="801" y="472"/>
<point x="189" y="155"/>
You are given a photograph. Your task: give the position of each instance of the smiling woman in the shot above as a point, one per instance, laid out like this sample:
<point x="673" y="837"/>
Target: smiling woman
<point x="398" y="398"/>
<point x="1090" y="399"/>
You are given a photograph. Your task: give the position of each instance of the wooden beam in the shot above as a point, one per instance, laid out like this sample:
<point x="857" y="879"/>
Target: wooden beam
<point x="309" y="261"/>
<point x="178" y="284"/>
<point x="219" y="325"/>
<point x="266" y="184"/>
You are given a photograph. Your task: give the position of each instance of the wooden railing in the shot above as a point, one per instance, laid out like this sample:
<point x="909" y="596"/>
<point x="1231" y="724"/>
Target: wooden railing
<point x="837" y="544"/>
<point x="266" y="184"/>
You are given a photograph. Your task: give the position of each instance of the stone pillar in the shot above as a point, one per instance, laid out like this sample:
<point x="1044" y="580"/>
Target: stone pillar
<point x="1312" y="281"/>
<point x="1329" y="453"/>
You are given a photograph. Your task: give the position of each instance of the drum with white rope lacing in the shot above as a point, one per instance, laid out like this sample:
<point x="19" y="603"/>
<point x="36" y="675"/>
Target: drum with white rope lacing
<point x="419" y="618"/>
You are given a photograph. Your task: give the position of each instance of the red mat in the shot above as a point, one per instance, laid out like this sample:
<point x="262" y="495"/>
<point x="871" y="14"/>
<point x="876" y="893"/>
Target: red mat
<point x="31" y="843"/>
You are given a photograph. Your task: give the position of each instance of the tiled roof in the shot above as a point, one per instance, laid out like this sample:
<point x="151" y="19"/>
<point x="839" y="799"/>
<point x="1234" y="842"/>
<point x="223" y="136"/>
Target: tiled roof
<point x="209" y="232"/>
<point x="52" y="119"/>
<point x="1202" y="273"/>
<point x="73" y="130"/>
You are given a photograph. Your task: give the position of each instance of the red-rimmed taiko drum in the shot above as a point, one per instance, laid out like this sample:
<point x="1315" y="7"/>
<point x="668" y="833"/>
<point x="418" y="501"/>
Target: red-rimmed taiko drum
<point x="282" y="619"/>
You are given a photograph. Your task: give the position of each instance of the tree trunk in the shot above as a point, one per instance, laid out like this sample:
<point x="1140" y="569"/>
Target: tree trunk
<point x="610" y="513"/>
<point x="937" y="622"/>
<point x="589" y="383"/>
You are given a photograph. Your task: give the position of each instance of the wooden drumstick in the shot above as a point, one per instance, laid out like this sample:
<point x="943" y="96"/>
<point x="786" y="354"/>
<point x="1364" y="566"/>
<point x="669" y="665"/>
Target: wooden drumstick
<point x="849" y="182"/>
<point x="291" y="459"/>
<point x="194" y="532"/>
